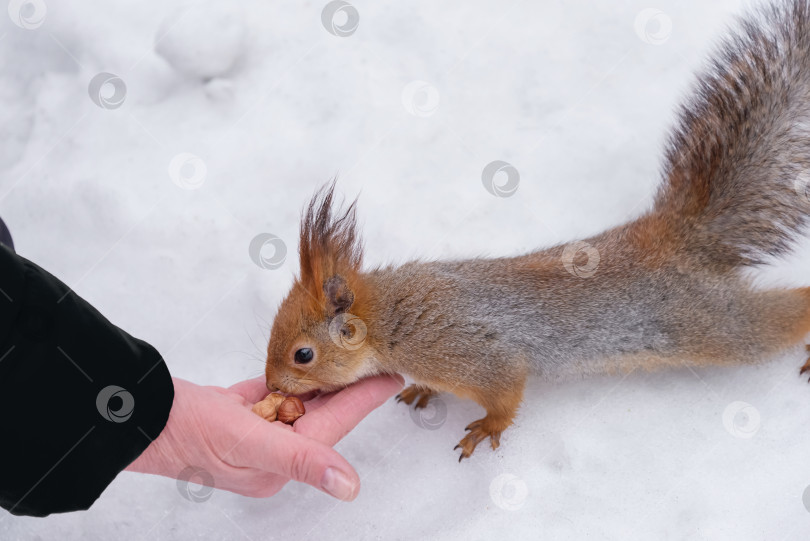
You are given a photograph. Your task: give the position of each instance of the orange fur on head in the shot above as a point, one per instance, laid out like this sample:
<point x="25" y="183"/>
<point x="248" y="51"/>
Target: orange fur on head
<point x="328" y="246"/>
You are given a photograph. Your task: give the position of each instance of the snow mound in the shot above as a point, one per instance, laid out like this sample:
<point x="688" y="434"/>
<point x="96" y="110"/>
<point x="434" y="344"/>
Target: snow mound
<point x="203" y="40"/>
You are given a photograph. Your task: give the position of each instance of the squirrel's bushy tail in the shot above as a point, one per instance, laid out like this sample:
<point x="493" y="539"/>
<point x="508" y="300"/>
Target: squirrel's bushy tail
<point x="738" y="163"/>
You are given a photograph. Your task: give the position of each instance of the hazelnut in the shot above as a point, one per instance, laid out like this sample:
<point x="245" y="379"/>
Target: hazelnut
<point x="268" y="407"/>
<point x="291" y="409"/>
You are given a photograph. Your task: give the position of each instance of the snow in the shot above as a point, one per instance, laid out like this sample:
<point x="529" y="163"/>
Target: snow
<point x="149" y="208"/>
<point x="202" y="39"/>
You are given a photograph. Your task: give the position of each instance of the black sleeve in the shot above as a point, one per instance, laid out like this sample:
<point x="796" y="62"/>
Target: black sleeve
<point x="80" y="399"/>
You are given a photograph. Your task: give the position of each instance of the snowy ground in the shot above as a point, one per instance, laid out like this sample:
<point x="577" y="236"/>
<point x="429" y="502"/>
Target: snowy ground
<point x="408" y="109"/>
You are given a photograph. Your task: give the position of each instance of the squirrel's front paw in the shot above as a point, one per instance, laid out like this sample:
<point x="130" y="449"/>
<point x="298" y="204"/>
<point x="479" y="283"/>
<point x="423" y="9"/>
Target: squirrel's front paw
<point x="806" y="367"/>
<point x="418" y="393"/>
<point x="479" y="431"/>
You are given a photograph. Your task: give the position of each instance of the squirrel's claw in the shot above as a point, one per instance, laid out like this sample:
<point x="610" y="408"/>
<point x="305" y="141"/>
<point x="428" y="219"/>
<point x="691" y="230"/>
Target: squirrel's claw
<point x="806" y="367"/>
<point x="415" y="393"/>
<point x="473" y="425"/>
<point x="478" y="433"/>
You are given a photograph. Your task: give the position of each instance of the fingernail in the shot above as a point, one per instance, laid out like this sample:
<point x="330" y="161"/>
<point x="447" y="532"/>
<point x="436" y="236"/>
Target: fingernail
<point x="338" y="484"/>
<point x="399" y="379"/>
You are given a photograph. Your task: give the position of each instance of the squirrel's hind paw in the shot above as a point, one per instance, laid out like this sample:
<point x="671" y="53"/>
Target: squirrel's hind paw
<point x="806" y="367"/>
<point x="416" y="393"/>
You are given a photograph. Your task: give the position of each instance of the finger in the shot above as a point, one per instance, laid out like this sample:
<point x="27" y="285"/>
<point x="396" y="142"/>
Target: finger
<point x="268" y="448"/>
<point x="283" y="426"/>
<point x="251" y="390"/>
<point x="323" y="398"/>
<point x="307" y="396"/>
<point x="330" y="422"/>
<point x="319" y="400"/>
<point x="250" y="482"/>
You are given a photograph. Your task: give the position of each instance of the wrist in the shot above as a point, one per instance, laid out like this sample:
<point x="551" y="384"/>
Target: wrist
<point x="155" y="459"/>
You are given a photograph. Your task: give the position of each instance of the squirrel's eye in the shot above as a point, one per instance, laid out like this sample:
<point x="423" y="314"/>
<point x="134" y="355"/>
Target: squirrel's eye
<point x="303" y="355"/>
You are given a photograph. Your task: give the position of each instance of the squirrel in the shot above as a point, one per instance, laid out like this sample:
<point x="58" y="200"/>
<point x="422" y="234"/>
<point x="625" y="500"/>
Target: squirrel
<point x="664" y="290"/>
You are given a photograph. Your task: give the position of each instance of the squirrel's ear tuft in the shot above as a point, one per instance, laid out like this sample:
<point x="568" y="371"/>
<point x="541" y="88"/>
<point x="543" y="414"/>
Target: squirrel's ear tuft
<point x="330" y="250"/>
<point x="339" y="296"/>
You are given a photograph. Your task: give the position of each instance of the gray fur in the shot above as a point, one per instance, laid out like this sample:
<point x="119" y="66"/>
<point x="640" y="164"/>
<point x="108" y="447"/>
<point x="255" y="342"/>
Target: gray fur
<point x="560" y="325"/>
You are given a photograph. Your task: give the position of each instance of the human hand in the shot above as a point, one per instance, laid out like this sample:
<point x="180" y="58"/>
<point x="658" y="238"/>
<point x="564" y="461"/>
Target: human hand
<point x="212" y="428"/>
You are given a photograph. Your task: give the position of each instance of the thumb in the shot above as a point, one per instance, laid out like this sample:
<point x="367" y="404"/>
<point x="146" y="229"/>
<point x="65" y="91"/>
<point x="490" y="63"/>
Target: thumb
<point x="270" y="448"/>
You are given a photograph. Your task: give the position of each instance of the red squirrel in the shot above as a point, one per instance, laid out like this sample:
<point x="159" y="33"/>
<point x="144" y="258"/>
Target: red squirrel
<point x="669" y="289"/>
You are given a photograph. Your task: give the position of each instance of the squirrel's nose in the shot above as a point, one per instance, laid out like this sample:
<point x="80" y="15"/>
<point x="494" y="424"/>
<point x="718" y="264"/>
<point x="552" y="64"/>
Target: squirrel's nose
<point x="272" y="388"/>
